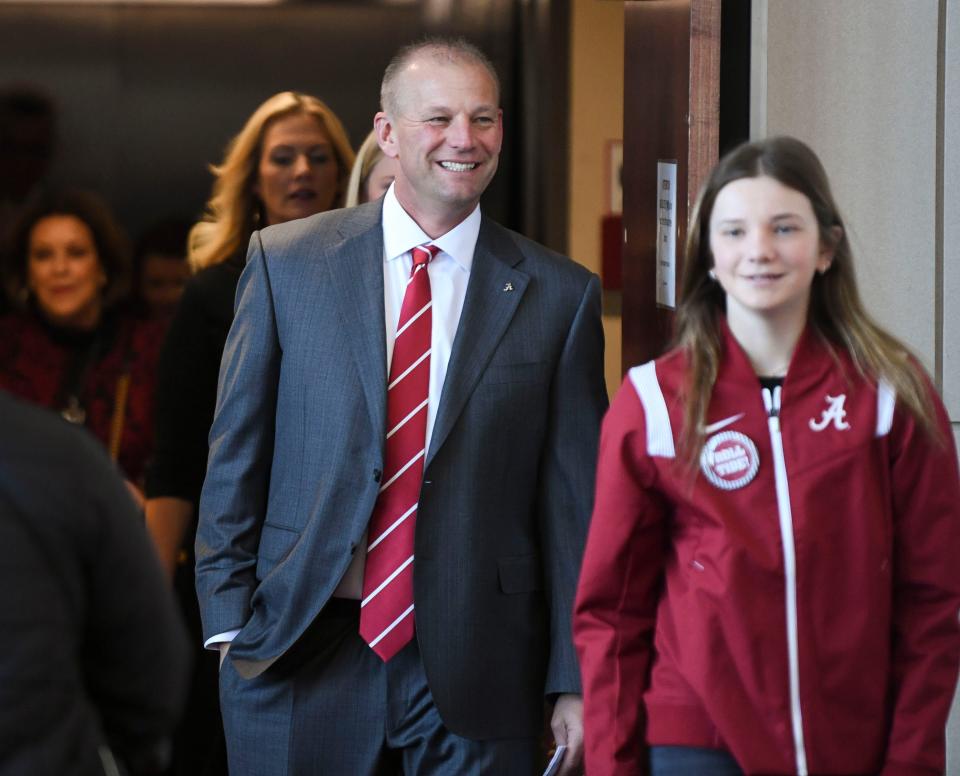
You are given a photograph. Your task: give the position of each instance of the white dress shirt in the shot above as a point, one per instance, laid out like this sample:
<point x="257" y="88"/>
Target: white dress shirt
<point x="449" y="273"/>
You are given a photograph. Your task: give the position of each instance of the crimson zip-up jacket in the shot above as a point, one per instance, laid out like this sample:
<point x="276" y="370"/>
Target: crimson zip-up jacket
<point x="796" y="602"/>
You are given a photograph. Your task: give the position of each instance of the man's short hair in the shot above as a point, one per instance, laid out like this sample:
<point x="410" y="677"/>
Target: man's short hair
<point x="445" y="50"/>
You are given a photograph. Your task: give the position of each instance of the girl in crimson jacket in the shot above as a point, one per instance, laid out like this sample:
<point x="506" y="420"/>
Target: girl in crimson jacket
<point x="770" y="582"/>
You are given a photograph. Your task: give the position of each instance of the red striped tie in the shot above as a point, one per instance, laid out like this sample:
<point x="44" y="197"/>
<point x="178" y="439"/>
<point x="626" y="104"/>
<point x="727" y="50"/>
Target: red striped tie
<point x="386" y="613"/>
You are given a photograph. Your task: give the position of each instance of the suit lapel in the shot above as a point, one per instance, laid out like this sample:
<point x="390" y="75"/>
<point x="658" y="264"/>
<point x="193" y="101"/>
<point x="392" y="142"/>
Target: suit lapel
<point x="356" y="274"/>
<point x="493" y="295"/>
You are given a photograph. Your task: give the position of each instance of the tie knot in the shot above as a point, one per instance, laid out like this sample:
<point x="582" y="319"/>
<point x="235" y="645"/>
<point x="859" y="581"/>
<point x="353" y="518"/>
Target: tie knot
<point x="422" y="254"/>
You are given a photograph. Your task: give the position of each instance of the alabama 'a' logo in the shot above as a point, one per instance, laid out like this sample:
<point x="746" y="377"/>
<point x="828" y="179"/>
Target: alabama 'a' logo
<point x="729" y="460"/>
<point x="834" y="413"/>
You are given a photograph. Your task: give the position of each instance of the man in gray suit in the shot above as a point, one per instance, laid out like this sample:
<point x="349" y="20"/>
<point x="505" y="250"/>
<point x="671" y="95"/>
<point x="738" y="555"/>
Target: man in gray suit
<point x="401" y="466"/>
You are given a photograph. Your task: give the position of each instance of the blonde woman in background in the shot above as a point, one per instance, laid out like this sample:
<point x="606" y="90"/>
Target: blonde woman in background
<point x="291" y="160"/>
<point x="372" y="173"/>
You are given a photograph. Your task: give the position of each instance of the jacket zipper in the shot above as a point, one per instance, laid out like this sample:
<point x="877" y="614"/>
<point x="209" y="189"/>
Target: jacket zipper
<point x="772" y="403"/>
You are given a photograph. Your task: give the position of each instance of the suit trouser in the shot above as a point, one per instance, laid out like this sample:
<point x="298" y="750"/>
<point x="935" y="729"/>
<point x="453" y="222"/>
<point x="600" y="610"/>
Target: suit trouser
<point x="331" y="707"/>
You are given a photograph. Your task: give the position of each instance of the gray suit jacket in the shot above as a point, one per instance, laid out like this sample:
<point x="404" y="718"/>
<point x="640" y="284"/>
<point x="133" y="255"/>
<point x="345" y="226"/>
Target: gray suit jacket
<point x="297" y="446"/>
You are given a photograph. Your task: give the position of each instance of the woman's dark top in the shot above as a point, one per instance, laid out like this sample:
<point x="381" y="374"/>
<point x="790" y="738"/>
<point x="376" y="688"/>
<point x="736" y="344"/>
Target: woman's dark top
<point x="103" y="379"/>
<point x="187" y="381"/>
<point x="185" y="401"/>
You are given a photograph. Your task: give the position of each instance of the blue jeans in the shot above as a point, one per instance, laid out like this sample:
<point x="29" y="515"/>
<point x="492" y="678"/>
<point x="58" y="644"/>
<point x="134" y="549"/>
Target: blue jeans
<point x="691" y="761"/>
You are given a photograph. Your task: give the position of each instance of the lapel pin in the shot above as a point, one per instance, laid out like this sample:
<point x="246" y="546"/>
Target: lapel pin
<point x="508" y="287"/>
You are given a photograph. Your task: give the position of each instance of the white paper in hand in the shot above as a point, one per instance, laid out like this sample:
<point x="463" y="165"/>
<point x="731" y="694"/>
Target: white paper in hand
<point x="554" y="766"/>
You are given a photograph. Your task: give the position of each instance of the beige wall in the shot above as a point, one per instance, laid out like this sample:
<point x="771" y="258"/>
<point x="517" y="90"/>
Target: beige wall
<point x="596" y="116"/>
<point x="873" y="87"/>
<point x="858" y="81"/>
<point x="951" y="213"/>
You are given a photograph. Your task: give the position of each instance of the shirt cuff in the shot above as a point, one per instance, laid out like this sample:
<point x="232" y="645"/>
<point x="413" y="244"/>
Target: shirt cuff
<point x="214" y="642"/>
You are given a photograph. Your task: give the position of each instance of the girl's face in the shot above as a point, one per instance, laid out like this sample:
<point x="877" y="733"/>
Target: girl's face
<point x="766" y="245"/>
<point x="64" y="272"/>
<point x="297" y="174"/>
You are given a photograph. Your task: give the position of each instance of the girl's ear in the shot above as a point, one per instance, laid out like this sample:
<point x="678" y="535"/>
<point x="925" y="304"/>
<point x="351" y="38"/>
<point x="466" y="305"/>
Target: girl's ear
<point x="828" y="248"/>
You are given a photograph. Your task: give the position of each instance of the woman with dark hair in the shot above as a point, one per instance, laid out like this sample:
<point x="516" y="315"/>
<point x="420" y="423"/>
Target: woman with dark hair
<point x="72" y="346"/>
<point x="769" y="584"/>
<point x="290" y="160"/>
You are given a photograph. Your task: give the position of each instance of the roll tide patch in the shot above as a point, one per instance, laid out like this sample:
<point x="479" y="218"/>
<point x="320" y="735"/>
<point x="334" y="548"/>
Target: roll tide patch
<point x="729" y="460"/>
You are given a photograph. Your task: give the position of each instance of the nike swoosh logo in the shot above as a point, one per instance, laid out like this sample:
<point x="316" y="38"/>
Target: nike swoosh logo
<point x="722" y="423"/>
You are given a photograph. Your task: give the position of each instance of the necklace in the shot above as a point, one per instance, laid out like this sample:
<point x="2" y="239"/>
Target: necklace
<point x="74" y="412"/>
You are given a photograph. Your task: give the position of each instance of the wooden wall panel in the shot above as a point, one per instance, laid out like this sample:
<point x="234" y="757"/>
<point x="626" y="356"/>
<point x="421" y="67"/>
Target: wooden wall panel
<point x="704" y="135"/>
<point x="671" y="111"/>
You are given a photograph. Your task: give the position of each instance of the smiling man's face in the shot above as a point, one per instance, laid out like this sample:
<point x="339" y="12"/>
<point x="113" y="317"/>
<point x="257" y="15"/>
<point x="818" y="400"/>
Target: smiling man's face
<point x="446" y="135"/>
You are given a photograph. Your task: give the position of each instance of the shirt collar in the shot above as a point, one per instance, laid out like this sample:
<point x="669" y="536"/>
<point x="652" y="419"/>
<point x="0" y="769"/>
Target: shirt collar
<point x="401" y="233"/>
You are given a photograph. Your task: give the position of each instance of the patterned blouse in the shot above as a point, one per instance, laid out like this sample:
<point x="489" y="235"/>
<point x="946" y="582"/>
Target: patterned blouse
<point x="103" y="379"/>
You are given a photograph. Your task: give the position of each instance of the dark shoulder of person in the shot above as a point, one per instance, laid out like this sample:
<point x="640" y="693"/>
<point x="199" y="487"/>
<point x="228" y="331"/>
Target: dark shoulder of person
<point x="213" y="289"/>
<point x="205" y="312"/>
<point x="12" y="328"/>
<point x="94" y="656"/>
<point x="35" y="440"/>
<point x="140" y="335"/>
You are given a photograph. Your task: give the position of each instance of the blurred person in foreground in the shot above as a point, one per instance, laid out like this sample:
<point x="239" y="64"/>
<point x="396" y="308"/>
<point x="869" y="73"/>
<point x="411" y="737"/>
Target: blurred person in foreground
<point x="346" y="650"/>
<point x="73" y="345"/>
<point x="291" y="159"/>
<point x="372" y="173"/>
<point x="93" y="661"/>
